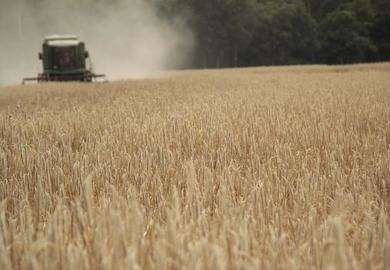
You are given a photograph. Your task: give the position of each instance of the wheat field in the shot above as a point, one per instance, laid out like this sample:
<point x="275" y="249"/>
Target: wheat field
<point x="258" y="168"/>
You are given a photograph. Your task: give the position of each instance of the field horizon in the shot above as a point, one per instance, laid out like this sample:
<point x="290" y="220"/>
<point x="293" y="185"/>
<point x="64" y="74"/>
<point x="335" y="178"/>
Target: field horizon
<point x="252" y="168"/>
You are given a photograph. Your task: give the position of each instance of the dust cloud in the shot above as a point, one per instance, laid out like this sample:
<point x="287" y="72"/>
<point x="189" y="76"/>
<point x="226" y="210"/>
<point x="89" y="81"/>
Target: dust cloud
<point x="125" y="38"/>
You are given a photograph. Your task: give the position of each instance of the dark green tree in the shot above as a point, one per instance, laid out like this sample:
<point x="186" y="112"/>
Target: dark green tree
<point x="380" y="29"/>
<point x="289" y="33"/>
<point x="344" y="38"/>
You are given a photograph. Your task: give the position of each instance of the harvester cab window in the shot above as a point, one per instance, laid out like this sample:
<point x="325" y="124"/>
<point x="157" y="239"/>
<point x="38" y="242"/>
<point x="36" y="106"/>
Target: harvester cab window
<point x="64" y="58"/>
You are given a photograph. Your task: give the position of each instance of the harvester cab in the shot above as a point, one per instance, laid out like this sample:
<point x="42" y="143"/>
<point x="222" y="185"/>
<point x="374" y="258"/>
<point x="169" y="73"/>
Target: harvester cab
<point x="64" y="58"/>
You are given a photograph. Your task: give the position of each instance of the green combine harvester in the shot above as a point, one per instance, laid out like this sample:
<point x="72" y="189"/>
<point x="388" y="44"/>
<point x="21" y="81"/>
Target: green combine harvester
<point x="64" y="58"/>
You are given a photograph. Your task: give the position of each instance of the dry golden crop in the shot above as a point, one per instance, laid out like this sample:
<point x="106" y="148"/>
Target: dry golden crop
<point x="259" y="168"/>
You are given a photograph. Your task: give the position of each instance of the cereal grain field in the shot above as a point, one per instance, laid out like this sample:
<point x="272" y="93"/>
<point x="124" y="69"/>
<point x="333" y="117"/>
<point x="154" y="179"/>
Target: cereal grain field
<point x="259" y="168"/>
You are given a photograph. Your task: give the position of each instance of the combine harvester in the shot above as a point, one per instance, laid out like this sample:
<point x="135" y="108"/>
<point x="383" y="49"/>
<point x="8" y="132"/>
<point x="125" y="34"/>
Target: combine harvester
<point x="64" y="58"/>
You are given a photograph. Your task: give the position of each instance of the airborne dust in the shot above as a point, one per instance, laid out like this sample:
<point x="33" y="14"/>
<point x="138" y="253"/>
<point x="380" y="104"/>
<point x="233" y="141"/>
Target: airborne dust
<point x="125" y="38"/>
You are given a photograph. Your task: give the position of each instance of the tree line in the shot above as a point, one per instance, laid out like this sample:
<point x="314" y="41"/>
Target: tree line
<point x="236" y="33"/>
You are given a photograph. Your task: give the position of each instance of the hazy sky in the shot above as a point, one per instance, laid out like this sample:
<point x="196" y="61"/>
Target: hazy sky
<point x="125" y="40"/>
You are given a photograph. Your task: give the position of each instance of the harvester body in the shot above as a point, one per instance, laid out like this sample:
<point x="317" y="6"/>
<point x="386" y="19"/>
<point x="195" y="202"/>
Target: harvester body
<point x="64" y="58"/>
